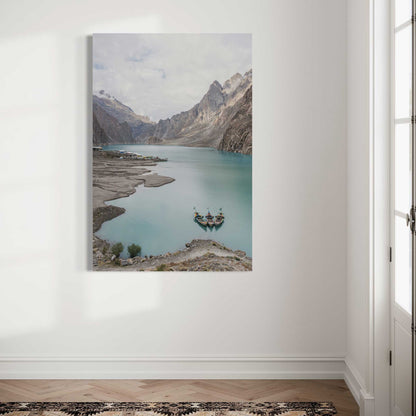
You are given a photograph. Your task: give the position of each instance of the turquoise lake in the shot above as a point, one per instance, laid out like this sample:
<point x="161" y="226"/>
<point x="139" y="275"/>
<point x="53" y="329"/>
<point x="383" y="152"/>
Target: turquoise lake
<point x="160" y="219"/>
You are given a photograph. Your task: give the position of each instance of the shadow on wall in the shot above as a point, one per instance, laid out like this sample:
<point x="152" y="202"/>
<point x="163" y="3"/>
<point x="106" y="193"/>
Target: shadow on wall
<point x="52" y="305"/>
<point x="49" y="307"/>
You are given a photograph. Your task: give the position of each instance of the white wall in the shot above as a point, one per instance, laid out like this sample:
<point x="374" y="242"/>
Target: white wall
<point x="358" y="200"/>
<point x="292" y="305"/>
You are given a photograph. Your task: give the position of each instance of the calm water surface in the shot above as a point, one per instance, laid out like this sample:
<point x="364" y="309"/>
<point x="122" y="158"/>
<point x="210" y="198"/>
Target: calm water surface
<point x="161" y="219"/>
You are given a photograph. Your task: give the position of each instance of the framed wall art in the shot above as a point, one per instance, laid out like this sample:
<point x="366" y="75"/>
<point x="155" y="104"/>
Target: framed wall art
<point x="172" y="152"/>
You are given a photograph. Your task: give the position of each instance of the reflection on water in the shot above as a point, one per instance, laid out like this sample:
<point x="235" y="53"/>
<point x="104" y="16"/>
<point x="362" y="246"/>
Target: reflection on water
<point x="161" y="219"/>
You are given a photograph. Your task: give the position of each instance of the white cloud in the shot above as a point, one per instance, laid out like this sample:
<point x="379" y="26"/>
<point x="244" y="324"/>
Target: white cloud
<point x="159" y="75"/>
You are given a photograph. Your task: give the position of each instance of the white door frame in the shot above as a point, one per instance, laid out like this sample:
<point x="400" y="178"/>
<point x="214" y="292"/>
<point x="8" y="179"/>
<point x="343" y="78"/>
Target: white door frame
<point x="377" y="399"/>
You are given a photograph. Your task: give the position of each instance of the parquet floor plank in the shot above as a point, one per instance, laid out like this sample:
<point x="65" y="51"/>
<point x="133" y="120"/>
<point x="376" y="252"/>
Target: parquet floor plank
<point x="181" y="390"/>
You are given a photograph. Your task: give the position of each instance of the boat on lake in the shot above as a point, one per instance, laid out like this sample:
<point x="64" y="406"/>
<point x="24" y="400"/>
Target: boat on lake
<point x="210" y="219"/>
<point x="219" y="219"/>
<point x="200" y="219"/>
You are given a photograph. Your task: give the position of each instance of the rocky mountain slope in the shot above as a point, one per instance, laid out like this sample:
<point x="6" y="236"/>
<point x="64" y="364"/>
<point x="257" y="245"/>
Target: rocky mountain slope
<point x="141" y="126"/>
<point x="99" y="135"/>
<point x="205" y="123"/>
<point x="237" y="137"/>
<point x="107" y="129"/>
<point x="222" y="119"/>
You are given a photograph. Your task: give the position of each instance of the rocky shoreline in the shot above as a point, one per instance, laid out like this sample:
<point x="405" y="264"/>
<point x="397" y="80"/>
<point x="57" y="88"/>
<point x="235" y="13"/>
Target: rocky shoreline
<point x="198" y="255"/>
<point x="115" y="178"/>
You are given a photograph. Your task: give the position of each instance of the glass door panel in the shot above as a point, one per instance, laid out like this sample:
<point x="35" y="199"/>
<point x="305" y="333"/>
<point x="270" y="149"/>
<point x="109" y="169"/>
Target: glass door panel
<point x="403" y="72"/>
<point x="403" y="265"/>
<point x="403" y="11"/>
<point x="403" y="168"/>
<point x="402" y="237"/>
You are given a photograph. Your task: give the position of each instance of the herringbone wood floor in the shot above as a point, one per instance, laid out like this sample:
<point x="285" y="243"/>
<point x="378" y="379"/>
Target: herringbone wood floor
<point x="181" y="390"/>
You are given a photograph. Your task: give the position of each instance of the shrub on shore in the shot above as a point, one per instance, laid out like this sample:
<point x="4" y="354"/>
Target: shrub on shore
<point x="117" y="249"/>
<point x="161" y="268"/>
<point x="134" y="250"/>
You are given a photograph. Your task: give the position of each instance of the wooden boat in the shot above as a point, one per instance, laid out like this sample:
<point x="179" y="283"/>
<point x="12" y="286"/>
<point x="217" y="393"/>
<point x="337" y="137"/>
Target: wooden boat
<point x="210" y="219"/>
<point x="200" y="219"/>
<point x="219" y="219"/>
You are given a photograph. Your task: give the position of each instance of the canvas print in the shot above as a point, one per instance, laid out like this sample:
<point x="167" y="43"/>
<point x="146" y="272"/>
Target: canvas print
<point x="172" y="152"/>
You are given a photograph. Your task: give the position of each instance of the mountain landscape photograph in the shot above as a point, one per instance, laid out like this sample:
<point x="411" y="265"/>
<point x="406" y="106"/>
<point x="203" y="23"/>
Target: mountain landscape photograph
<point x="172" y="152"/>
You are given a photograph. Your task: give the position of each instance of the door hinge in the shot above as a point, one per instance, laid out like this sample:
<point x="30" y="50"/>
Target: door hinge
<point x="411" y="219"/>
<point x="390" y="358"/>
<point x="390" y="254"/>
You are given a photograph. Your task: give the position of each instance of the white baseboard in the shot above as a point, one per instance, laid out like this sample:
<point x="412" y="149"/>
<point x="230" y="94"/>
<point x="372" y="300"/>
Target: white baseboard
<point x="357" y="387"/>
<point x="163" y="367"/>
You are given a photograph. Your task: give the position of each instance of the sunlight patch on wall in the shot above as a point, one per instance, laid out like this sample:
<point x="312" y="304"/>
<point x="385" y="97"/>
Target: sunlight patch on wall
<point x="112" y="294"/>
<point x="27" y="302"/>
<point x="145" y="24"/>
<point x="34" y="232"/>
<point x="31" y="64"/>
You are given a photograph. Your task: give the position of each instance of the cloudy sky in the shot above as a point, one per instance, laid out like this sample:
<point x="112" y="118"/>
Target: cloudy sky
<point x="159" y="75"/>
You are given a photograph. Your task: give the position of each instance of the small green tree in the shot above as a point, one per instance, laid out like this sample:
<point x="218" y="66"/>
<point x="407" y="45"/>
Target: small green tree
<point x="117" y="249"/>
<point x="161" y="268"/>
<point x="134" y="250"/>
